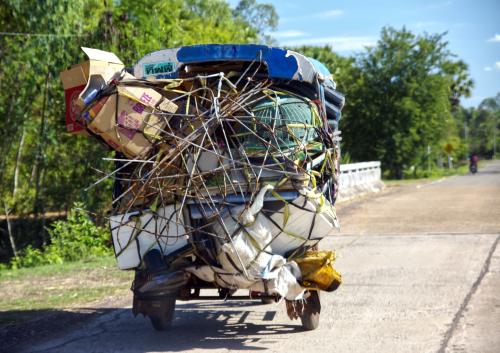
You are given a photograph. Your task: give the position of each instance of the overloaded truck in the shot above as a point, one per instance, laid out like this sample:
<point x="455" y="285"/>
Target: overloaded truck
<point x="226" y="166"/>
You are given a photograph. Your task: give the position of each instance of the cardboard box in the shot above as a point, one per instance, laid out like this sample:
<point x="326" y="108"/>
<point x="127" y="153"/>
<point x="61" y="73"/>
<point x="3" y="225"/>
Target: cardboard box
<point x="127" y="120"/>
<point x="76" y="79"/>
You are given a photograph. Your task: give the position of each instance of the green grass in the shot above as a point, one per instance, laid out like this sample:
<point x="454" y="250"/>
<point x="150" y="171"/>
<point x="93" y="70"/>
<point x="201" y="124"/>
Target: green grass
<point x="54" y="270"/>
<point x="395" y="182"/>
<point x="52" y="287"/>
<point x="432" y="175"/>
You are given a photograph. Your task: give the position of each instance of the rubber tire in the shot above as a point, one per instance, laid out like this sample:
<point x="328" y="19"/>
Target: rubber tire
<point x="163" y="320"/>
<point x="311" y="312"/>
<point x="267" y="301"/>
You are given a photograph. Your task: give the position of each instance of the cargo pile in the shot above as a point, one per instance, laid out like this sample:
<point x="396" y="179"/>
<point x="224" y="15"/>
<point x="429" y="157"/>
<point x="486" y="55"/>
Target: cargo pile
<point x="226" y="171"/>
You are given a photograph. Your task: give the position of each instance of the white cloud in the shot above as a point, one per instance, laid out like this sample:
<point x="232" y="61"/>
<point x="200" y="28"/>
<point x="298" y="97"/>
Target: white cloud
<point x="495" y="38"/>
<point x="287" y="34"/>
<point x="331" y="13"/>
<point x="494" y="67"/>
<point x="439" y="5"/>
<point x="338" y="44"/>
<point x="315" y="15"/>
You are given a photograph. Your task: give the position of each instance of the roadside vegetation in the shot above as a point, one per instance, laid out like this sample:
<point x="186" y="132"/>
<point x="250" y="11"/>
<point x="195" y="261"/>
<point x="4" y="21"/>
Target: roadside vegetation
<point x="429" y="176"/>
<point x="77" y="238"/>
<point x="45" y="170"/>
<point x="26" y="292"/>
<point x="403" y="105"/>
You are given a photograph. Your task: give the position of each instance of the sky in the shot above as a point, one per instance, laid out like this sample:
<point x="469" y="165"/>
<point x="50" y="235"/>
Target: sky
<point x="473" y="29"/>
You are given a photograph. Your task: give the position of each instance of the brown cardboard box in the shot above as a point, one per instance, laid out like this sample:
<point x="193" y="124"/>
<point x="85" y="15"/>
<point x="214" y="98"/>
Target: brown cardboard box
<point x="76" y="79"/>
<point x="131" y="127"/>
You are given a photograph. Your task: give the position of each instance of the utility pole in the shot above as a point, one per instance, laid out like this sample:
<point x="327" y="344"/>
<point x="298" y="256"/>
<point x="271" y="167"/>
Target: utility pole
<point x="495" y="140"/>
<point x="466" y="135"/>
<point x="428" y="157"/>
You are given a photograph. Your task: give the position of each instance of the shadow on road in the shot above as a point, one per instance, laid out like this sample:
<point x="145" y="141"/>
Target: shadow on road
<point x="21" y="326"/>
<point x="197" y="327"/>
<point x="233" y="325"/>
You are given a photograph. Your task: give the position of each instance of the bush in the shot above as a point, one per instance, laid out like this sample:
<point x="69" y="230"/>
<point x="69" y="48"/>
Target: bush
<point x="74" y="239"/>
<point x="30" y="257"/>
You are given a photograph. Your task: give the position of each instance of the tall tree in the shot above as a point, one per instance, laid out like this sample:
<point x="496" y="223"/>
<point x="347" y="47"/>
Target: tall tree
<point x="408" y="84"/>
<point x="483" y="124"/>
<point x="261" y="17"/>
<point x="43" y="168"/>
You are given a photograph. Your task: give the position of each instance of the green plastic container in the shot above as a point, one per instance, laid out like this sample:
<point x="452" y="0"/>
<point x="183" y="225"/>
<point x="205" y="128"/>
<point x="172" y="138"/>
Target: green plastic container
<point x="292" y="119"/>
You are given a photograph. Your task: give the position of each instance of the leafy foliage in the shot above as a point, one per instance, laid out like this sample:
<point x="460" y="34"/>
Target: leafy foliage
<point x="50" y="168"/>
<point x="74" y="239"/>
<point x="399" y="98"/>
<point x="262" y="17"/>
<point x="43" y="168"/>
<point x="482" y="125"/>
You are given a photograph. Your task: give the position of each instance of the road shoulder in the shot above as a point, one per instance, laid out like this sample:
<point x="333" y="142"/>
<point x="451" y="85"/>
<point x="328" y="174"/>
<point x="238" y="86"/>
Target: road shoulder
<point x="477" y="329"/>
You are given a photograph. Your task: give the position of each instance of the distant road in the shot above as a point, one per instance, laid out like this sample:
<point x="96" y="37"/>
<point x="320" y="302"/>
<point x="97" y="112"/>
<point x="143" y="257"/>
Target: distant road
<point x="421" y="269"/>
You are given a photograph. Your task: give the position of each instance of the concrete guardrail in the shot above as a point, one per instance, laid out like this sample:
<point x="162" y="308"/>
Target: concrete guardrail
<point x="359" y="178"/>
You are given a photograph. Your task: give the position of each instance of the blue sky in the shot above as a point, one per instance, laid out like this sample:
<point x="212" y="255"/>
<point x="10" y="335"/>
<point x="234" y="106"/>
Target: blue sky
<point x="473" y="29"/>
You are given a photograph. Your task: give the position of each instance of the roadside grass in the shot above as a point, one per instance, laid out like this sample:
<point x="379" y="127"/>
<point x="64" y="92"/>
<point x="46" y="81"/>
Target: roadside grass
<point x="433" y="175"/>
<point x="395" y="182"/>
<point x="68" y="285"/>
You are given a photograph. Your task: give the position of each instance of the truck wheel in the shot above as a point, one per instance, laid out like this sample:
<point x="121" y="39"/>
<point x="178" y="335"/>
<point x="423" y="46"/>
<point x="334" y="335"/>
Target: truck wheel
<point x="162" y="319"/>
<point x="311" y="311"/>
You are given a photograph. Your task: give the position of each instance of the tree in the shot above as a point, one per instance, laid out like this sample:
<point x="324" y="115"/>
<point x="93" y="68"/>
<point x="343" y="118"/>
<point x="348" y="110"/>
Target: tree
<point x="43" y="168"/>
<point x="346" y="74"/>
<point x="399" y="97"/>
<point x="406" y="88"/>
<point x="38" y="41"/>
<point x="262" y="17"/>
<point x="483" y="124"/>
<point x="492" y="104"/>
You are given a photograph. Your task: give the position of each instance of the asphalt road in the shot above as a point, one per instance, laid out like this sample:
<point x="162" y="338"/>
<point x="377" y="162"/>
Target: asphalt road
<point x="421" y="270"/>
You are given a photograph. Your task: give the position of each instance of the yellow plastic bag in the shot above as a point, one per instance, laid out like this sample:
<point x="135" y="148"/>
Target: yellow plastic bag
<point x="317" y="270"/>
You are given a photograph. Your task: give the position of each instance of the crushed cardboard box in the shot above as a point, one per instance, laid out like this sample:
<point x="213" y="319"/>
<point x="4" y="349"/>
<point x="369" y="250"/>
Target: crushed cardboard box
<point x="76" y="79"/>
<point x="127" y="121"/>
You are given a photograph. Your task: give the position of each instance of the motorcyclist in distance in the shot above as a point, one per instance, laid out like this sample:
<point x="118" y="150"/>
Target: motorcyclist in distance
<point x="473" y="163"/>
